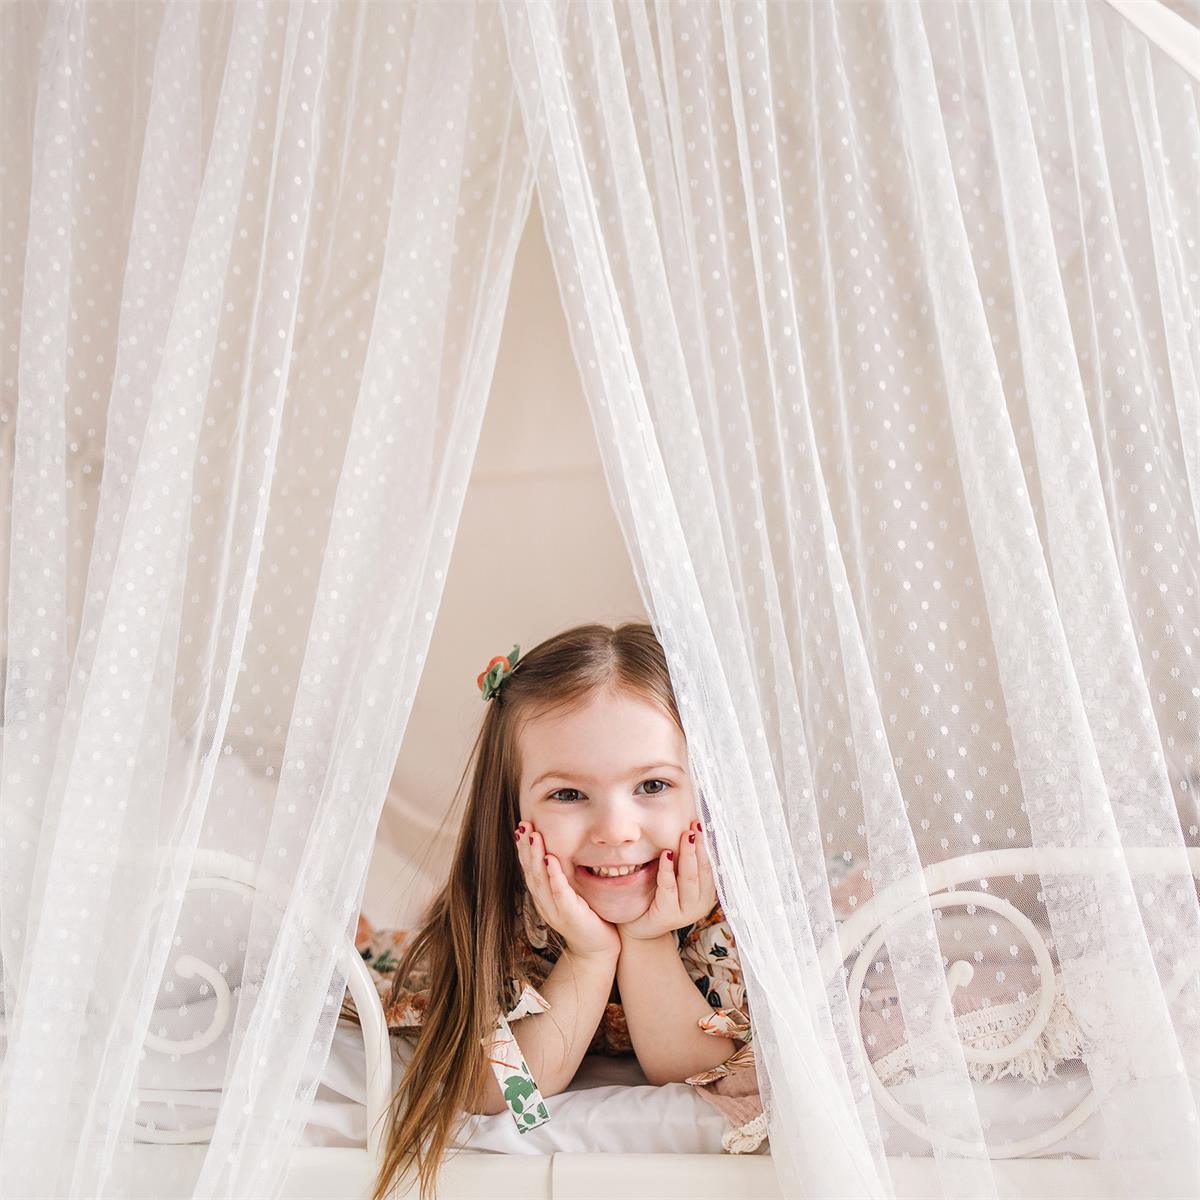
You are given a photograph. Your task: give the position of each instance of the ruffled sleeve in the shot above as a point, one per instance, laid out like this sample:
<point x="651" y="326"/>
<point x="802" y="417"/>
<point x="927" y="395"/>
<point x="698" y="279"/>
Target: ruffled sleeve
<point x="381" y="950"/>
<point x="710" y="955"/>
<point x="727" y="1023"/>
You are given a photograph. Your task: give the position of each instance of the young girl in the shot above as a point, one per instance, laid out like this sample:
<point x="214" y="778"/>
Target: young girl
<point x="580" y="908"/>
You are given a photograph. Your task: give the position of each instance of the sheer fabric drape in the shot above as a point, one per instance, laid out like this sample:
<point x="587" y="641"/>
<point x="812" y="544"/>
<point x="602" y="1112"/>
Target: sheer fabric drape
<point x="887" y="318"/>
<point x="255" y="262"/>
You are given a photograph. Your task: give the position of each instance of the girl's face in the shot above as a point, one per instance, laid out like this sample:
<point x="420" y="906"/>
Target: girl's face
<point x="607" y="785"/>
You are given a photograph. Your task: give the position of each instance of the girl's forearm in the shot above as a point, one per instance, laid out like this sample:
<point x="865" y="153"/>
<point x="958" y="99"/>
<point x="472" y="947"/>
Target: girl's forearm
<point x="553" y="1043"/>
<point x="662" y="1006"/>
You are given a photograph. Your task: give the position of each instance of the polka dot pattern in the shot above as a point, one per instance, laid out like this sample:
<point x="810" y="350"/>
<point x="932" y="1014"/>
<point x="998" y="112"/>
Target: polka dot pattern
<point x="886" y="315"/>
<point x="256" y="258"/>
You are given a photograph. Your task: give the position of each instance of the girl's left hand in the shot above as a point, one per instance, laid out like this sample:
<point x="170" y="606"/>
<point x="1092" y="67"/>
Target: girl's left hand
<point x="685" y="891"/>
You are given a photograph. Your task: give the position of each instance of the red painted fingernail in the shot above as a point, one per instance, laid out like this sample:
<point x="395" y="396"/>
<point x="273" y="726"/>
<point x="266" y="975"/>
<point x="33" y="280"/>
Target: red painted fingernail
<point x="531" y="839"/>
<point x="516" y="837"/>
<point x="546" y="860"/>
<point x="691" y="837"/>
<point x="699" y="827"/>
<point x="521" y="828"/>
<point x="671" y="855"/>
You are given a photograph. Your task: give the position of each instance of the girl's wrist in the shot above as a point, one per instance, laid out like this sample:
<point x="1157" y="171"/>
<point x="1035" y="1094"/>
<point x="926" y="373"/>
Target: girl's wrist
<point x="605" y="957"/>
<point x="632" y="939"/>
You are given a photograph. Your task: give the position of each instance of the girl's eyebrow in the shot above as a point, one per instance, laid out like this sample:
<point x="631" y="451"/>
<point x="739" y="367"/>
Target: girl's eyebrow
<point x="574" y="775"/>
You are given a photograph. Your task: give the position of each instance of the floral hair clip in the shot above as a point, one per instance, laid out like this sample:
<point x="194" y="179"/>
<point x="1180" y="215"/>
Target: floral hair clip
<point x="496" y="672"/>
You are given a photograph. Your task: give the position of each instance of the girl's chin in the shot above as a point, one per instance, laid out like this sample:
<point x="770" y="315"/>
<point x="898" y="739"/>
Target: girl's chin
<point x="618" y="909"/>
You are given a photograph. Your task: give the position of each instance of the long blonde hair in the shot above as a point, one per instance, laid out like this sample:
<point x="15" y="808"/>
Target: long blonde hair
<point x="469" y="939"/>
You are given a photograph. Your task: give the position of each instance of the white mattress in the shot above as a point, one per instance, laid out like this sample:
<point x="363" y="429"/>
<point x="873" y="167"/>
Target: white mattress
<point x="169" y="1172"/>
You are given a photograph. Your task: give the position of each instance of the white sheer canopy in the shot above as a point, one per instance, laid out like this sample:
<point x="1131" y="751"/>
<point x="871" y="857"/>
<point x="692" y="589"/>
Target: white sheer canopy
<point x="265" y="254"/>
<point x="887" y="318"/>
<point x="886" y="315"/>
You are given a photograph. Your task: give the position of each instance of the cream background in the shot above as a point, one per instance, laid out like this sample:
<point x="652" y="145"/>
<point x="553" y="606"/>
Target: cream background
<point x="538" y="549"/>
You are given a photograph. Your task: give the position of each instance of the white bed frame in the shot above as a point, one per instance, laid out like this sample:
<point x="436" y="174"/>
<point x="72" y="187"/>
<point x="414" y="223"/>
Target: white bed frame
<point x="861" y="935"/>
<point x="226" y="872"/>
<point x="326" y="1173"/>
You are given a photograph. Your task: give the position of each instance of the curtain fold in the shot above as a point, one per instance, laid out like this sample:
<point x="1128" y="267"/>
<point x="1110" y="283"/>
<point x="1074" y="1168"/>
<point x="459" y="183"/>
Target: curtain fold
<point x="885" y="317"/>
<point x="266" y="253"/>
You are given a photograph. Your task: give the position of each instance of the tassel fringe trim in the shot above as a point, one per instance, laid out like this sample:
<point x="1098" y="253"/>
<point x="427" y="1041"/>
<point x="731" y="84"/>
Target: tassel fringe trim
<point x="993" y="1028"/>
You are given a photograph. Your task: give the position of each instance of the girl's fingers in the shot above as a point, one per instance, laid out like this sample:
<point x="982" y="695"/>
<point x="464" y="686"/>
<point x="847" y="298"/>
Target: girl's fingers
<point x="688" y="851"/>
<point x="555" y="879"/>
<point x="666" y="873"/>
<point x="524" y="837"/>
<point x="689" y="875"/>
<point x="706" y="882"/>
<point x="550" y="880"/>
<point x="536" y="850"/>
<point x="522" y="834"/>
<point x="534" y="869"/>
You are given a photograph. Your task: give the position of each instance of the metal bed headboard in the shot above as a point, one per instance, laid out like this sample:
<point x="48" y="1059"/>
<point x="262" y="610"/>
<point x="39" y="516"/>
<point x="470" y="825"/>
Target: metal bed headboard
<point x="859" y="939"/>
<point x="226" y="872"/>
<point x="861" y="935"/>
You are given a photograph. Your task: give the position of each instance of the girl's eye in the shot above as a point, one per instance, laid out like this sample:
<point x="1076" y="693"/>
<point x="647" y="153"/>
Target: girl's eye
<point x="574" y="793"/>
<point x="657" y="791"/>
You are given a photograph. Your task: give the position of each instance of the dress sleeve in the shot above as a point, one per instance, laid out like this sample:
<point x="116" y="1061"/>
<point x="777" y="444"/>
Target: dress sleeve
<point x="512" y="1073"/>
<point x="728" y="1023"/>
<point x="710" y="955"/>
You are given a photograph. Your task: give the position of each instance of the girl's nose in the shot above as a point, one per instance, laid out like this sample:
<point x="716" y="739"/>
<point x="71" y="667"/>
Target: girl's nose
<point x="615" y="828"/>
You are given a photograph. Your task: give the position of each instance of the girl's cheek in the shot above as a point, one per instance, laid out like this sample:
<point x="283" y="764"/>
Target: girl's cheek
<point x="687" y="812"/>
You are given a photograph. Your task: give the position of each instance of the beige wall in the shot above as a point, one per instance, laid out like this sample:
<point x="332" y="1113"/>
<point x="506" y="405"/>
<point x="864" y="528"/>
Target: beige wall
<point x="538" y="549"/>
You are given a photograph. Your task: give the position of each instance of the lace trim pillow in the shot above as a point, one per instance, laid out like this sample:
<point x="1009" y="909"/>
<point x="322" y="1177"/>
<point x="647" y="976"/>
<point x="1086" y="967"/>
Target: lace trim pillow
<point x="997" y="1026"/>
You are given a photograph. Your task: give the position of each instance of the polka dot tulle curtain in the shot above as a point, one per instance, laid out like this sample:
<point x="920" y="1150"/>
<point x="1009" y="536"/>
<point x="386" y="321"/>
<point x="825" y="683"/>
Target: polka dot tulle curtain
<point x="255" y="263"/>
<point x="886" y="315"/>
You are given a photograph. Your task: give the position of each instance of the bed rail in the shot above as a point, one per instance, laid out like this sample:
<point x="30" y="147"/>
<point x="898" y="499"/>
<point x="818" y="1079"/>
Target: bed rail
<point x="859" y="939"/>
<point x="226" y="872"/>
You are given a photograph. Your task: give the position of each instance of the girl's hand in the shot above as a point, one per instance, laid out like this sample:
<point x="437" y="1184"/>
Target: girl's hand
<point x="685" y="890"/>
<point x="558" y="903"/>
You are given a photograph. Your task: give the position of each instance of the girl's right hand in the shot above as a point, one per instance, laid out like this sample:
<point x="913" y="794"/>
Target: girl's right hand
<point x="558" y="903"/>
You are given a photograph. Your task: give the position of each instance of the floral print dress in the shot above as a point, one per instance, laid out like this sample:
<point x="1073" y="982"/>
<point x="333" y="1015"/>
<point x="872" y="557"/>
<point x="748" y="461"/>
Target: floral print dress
<point x="708" y="951"/>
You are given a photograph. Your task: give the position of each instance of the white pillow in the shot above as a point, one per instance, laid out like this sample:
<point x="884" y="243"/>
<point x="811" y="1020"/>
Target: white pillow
<point x="609" y="1108"/>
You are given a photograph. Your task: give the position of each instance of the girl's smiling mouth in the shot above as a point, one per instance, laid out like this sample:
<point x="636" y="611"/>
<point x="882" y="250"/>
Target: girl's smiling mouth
<point x="616" y="876"/>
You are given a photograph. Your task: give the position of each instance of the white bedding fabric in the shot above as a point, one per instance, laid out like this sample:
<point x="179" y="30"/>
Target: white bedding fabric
<point x="608" y="1109"/>
<point x="609" y="1104"/>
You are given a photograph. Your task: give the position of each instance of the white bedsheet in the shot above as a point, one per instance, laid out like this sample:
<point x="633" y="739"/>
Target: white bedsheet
<point x="608" y="1106"/>
<point x="608" y="1109"/>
